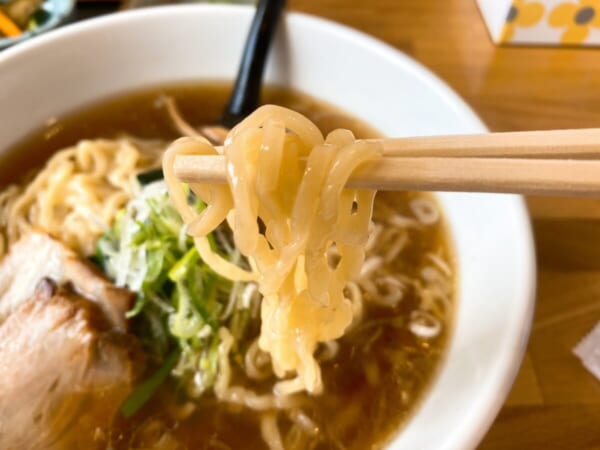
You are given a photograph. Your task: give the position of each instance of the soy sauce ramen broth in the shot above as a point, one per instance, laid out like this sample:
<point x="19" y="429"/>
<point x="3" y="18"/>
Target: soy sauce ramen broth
<point x="381" y="371"/>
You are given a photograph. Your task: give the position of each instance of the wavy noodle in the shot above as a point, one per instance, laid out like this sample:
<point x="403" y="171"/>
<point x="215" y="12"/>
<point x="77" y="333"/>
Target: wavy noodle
<point x="76" y="196"/>
<point x="270" y="431"/>
<point x="256" y="363"/>
<point x="182" y="126"/>
<point x="218" y="200"/>
<point x="304" y="214"/>
<point x="239" y="395"/>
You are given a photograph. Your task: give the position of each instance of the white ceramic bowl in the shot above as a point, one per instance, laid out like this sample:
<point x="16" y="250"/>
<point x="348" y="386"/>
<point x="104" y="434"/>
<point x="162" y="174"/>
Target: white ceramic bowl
<point x="86" y="62"/>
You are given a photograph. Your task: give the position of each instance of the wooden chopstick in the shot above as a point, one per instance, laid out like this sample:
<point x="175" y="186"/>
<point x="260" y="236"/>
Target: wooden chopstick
<point x="515" y="175"/>
<point x="558" y="162"/>
<point x="582" y="143"/>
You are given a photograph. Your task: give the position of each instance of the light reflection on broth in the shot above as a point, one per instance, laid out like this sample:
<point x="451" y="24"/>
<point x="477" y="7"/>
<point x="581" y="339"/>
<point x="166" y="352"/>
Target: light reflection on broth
<point x="380" y="368"/>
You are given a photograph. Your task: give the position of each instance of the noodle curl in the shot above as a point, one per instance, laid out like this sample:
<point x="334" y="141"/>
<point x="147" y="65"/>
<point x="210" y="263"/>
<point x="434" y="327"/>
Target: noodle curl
<point x="76" y="196"/>
<point x="285" y="220"/>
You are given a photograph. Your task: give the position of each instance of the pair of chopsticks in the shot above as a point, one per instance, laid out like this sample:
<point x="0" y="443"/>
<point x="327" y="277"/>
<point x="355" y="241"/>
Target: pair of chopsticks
<point x="558" y="162"/>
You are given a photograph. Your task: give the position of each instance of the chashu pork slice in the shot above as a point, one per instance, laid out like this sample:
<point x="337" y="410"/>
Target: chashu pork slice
<point x="36" y="256"/>
<point x="64" y="371"/>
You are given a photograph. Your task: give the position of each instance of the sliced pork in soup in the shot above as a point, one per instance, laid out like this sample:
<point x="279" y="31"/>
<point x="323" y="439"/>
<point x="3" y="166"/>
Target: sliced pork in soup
<point x="36" y="256"/>
<point x="65" y="362"/>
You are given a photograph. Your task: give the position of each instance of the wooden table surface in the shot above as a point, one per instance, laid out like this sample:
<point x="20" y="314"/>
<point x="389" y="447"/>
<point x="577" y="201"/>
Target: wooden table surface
<point x="555" y="402"/>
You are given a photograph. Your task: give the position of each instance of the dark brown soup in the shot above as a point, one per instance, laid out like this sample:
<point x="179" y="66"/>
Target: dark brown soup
<point x="383" y="364"/>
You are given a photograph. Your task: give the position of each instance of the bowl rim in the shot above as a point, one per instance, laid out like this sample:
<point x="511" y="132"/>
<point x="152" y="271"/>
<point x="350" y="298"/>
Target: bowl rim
<point x="515" y="347"/>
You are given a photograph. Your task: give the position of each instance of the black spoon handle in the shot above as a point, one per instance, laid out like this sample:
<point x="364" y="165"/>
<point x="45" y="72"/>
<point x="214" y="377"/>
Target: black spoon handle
<point x="246" y="92"/>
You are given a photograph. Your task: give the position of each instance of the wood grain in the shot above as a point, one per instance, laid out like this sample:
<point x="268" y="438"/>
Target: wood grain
<point x="555" y="403"/>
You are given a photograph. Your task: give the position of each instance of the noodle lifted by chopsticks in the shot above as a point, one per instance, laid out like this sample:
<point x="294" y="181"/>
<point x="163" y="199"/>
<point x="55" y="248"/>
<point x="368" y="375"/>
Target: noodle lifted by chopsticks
<point x="303" y="214"/>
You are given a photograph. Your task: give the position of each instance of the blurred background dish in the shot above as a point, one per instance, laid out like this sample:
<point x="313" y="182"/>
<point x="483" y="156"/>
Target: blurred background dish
<point x="22" y="19"/>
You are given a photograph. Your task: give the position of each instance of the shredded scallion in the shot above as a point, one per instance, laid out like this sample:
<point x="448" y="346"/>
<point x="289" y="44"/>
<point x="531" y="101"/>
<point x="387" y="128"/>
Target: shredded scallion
<point x="180" y="300"/>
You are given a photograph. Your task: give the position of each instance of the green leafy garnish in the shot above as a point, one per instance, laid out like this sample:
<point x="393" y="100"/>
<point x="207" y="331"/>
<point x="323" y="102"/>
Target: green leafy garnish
<point x="180" y="301"/>
<point x="144" y="391"/>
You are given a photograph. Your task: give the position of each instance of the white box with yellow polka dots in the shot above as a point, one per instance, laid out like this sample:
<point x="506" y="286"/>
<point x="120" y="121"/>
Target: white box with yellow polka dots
<point x="542" y="22"/>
